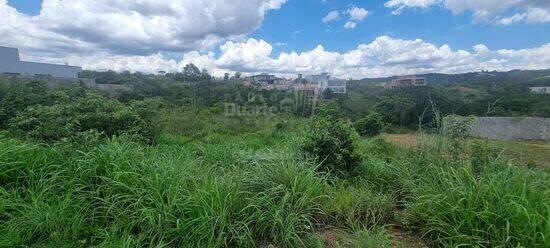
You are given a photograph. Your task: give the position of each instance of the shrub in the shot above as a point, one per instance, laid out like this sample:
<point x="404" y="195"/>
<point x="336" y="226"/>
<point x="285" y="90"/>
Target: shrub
<point x="457" y="128"/>
<point x="371" y="125"/>
<point x="46" y="123"/>
<point x="17" y="97"/>
<point x="90" y="112"/>
<point x="332" y="144"/>
<point x="148" y="110"/>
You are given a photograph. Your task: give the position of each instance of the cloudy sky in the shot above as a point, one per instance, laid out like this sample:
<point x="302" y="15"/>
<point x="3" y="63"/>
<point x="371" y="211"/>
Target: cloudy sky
<point x="350" y="39"/>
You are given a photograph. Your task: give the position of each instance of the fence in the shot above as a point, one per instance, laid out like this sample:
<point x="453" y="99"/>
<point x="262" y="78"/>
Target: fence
<point x="512" y="128"/>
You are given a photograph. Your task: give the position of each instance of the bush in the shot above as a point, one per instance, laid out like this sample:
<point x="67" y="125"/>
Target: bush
<point x="332" y="144"/>
<point x="90" y="112"/>
<point x="457" y="128"/>
<point x="17" y="97"/>
<point x="371" y="125"/>
<point x="148" y="110"/>
<point x="46" y="123"/>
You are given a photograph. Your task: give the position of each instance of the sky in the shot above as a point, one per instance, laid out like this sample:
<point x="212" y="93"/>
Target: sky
<point x="347" y="38"/>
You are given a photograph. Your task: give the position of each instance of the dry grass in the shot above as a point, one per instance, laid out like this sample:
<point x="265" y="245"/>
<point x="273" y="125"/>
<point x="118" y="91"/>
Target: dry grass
<point x="531" y="153"/>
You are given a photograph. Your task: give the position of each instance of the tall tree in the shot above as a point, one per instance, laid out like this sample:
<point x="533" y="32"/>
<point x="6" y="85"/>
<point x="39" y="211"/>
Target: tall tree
<point x="191" y="72"/>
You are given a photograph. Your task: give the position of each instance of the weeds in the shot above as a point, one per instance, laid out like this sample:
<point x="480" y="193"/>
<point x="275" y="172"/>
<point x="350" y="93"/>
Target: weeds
<point x="255" y="188"/>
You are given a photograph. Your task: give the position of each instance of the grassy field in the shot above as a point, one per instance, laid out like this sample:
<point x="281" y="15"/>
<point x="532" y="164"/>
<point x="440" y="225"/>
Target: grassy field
<point x="529" y="153"/>
<point x="212" y="181"/>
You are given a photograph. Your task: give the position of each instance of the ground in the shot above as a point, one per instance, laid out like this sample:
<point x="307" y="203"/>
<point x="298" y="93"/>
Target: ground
<point x="529" y="153"/>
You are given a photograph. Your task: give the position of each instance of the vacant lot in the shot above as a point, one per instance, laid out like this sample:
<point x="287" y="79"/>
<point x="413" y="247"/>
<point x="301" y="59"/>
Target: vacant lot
<point x="530" y="153"/>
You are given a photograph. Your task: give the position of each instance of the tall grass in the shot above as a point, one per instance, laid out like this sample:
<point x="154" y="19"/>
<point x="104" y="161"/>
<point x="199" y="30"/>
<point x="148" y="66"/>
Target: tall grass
<point x="123" y="193"/>
<point x="255" y="189"/>
<point x="478" y="200"/>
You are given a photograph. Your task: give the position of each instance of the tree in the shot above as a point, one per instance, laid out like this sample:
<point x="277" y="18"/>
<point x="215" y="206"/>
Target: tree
<point x="205" y="75"/>
<point x="226" y="76"/>
<point x="332" y="143"/>
<point x="395" y="107"/>
<point x="371" y="125"/>
<point x="191" y="72"/>
<point x="237" y="75"/>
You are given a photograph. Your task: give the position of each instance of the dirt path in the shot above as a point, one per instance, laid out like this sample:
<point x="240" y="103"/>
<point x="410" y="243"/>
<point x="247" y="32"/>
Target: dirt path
<point x="404" y="239"/>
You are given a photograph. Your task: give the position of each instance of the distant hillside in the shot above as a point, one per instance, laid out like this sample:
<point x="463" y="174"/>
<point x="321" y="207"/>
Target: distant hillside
<point x="525" y="77"/>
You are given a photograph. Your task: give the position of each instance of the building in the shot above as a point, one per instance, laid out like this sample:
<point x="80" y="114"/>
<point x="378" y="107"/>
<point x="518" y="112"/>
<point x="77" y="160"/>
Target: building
<point x="407" y="81"/>
<point x="10" y="64"/>
<point x="325" y="81"/>
<point x="540" y="90"/>
<point x="265" y="78"/>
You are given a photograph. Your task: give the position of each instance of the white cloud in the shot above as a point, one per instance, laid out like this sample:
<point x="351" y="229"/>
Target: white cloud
<point x="385" y="56"/>
<point x="538" y="15"/>
<point x="511" y="19"/>
<point x="131" y="27"/>
<point x="399" y="5"/>
<point x="350" y="25"/>
<point x="331" y="16"/>
<point x="357" y="14"/>
<point x="529" y="11"/>
<point x="138" y="35"/>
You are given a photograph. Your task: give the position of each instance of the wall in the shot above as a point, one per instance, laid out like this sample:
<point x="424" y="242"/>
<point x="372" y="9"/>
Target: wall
<point x="512" y="128"/>
<point x="10" y="63"/>
<point x="54" y="82"/>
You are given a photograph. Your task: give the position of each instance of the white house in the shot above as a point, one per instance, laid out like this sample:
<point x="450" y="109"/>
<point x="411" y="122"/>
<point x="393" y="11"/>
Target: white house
<point x="11" y="64"/>
<point x="325" y="81"/>
<point x="540" y="90"/>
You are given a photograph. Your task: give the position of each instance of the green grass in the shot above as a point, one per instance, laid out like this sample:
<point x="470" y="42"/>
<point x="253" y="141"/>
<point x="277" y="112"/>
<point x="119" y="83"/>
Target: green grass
<point x="221" y="182"/>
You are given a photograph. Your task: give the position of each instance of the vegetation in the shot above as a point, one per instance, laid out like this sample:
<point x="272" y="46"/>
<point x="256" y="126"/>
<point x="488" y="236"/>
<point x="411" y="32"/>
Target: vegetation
<point x="371" y="125"/>
<point x="165" y="167"/>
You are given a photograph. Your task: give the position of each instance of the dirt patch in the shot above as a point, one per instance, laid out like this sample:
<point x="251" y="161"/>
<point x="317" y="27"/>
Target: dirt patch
<point x="330" y="239"/>
<point x="406" y="140"/>
<point x="402" y="239"/>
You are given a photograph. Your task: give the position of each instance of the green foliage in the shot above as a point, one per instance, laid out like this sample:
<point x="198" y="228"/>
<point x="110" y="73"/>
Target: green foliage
<point x="16" y="98"/>
<point x="332" y="144"/>
<point x="501" y="206"/>
<point x="482" y="156"/>
<point x="457" y="128"/>
<point x="358" y="207"/>
<point x="71" y="113"/>
<point x="371" y="125"/>
<point x="211" y="180"/>
<point x="149" y="111"/>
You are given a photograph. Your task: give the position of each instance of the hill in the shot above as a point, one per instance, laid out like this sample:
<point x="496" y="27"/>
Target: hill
<point x="525" y="77"/>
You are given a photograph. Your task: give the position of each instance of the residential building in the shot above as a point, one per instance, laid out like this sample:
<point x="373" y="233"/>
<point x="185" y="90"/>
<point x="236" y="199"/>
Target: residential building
<point x="10" y="64"/>
<point x="265" y="78"/>
<point x="325" y="81"/>
<point x="540" y="90"/>
<point x="407" y="81"/>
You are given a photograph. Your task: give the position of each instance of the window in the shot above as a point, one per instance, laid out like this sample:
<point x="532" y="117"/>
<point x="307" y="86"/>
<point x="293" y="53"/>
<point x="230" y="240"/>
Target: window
<point x="11" y="73"/>
<point x="43" y="75"/>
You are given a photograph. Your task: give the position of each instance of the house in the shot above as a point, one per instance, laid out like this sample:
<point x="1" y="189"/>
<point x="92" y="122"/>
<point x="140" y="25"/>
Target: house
<point x="540" y="90"/>
<point x="407" y="81"/>
<point x="10" y="64"/>
<point x="265" y="79"/>
<point x="325" y="81"/>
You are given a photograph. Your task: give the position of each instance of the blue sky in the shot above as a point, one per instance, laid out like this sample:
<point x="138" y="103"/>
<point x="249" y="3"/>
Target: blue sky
<point x="261" y="30"/>
<point x="436" y="25"/>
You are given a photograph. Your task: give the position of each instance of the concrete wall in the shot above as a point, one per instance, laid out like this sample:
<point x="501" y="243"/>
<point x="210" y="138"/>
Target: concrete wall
<point x="10" y="63"/>
<point x="54" y="82"/>
<point x="512" y="128"/>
